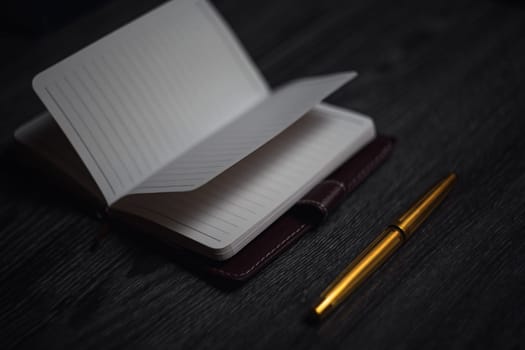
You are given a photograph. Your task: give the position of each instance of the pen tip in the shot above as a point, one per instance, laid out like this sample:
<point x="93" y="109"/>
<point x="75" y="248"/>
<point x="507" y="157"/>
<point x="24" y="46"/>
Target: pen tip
<point x="451" y="177"/>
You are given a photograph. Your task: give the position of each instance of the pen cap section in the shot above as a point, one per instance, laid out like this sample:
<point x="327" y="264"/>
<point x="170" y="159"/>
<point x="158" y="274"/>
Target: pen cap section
<point x="420" y="210"/>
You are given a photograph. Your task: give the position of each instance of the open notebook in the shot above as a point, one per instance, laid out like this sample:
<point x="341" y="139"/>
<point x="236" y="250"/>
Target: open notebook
<point x="176" y="130"/>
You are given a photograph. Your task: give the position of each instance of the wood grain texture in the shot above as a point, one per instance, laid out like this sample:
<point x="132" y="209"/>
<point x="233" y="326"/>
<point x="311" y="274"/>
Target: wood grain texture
<point x="446" y="79"/>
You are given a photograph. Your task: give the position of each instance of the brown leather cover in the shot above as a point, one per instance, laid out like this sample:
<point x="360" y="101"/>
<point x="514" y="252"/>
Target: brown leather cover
<point x="308" y="212"/>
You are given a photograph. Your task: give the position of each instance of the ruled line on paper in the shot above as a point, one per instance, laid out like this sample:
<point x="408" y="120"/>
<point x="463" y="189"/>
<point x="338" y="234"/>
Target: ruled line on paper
<point x="287" y="159"/>
<point x="88" y="128"/>
<point x="131" y="106"/>
<point x="190" y="205"/>
<point x="227" y="207"/>
<point x="108" y="133"/>
<point x="79" y="136"/>
<point x="121" y="121"/>
<point x="241" y="206"/>
<point x="219" y="198"/>
<point x="173" y="88"/>
<point x="141" y="136"/>
<point x="135" y="83"/>
<point x="257" y="191"/>
<point x="193" y="219"/>
<point x="88" y="135"/>
<point x="196" y="169"/>
<point x="177" y="223"/>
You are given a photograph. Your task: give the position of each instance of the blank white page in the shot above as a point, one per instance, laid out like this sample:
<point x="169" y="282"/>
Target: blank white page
<point x="242" y="135"/>
<point x="229" y="211"/>
<point x="132" y="100"/>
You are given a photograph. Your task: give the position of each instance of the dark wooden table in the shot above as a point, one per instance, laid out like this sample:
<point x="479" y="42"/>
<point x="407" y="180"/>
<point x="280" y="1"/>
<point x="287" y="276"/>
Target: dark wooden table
<point x="446" y="79"/>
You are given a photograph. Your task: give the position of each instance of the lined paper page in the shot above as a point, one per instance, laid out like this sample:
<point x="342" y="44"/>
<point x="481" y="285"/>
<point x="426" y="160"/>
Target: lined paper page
<point x="132" y="101"/>
<point x="243" y="135"/>
<point x="226" y="213"/>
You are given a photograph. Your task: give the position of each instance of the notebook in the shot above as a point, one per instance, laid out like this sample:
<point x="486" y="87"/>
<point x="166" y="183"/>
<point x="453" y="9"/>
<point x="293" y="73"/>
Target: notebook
<point x="168" y="123"/>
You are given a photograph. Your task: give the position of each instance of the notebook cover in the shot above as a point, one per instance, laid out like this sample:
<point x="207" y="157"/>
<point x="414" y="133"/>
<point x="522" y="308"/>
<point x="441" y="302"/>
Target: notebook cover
<point x="316" y="206"/>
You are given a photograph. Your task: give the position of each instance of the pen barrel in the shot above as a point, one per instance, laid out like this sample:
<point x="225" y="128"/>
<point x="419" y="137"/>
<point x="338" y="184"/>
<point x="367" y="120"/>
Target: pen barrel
<point x="360" y="269"/>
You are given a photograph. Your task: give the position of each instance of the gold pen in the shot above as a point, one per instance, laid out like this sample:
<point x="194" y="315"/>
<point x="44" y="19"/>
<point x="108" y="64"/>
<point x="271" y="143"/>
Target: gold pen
<point x="382" y="248"/>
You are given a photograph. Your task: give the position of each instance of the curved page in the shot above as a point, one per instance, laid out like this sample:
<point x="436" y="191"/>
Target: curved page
<point x="133" y="100"/>
<point x="243" y="135"/>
